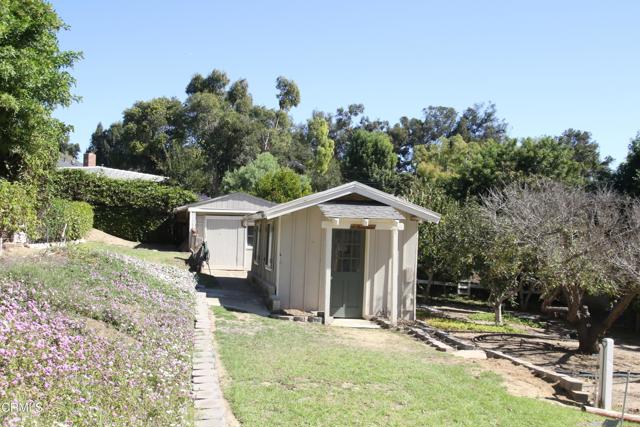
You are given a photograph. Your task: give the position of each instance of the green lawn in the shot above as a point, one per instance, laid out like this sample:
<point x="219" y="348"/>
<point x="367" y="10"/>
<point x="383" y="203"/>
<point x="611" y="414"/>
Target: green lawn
<point x="507" y="318"/>
<point x="282" y="373"/>
<point x="173" y="258"/>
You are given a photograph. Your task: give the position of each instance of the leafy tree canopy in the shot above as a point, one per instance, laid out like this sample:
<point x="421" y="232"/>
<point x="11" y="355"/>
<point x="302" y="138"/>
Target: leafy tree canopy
<point x="370" y="159"/>
<point x="282" y="186"/>
<point x="34" y="80"/>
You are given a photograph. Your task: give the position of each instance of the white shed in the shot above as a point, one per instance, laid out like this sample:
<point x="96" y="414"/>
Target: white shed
<point x="350" y="252"/>
<point x="218" y="221"/>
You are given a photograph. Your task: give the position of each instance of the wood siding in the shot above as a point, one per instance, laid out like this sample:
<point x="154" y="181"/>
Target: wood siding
<point x="301" y="277"/>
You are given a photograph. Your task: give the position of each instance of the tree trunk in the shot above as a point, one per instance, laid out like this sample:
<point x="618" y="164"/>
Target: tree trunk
<point x="525" y="306"/>
<point x="589" y="334"/>
<point x="430" y="282"/>
<point x="497" y="309"/>
<point x="589" y="339"/>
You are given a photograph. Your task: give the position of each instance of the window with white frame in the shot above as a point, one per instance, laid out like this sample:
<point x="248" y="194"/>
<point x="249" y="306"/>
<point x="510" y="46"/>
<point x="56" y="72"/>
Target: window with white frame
<point x="251" y="235"/>
<point x="256" y="247"/>
<point x="269" y="260"/>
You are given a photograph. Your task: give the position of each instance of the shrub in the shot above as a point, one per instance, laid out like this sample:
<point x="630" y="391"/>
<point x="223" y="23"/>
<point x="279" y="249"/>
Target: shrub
<point x="135" y="210"/>
<point x="73" y="219"/>
<point x="282" y="186"/>
<point x="17" y="209"/>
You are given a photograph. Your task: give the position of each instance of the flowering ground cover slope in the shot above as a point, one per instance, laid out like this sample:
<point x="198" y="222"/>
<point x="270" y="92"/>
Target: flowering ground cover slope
<point x="95" y="339"/>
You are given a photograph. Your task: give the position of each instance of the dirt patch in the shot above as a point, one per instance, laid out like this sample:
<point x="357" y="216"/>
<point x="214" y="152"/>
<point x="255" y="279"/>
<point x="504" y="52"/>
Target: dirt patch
<point x="559" y="355"/>
<point x="105" y="330"/>
<point x="518" y="381"/>
<point x="96" y="235"/>
<point x="377" y="339"/>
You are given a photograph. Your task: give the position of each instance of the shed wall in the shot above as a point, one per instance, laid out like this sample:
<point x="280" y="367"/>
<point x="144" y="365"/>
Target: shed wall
<point x="301" y="264"/>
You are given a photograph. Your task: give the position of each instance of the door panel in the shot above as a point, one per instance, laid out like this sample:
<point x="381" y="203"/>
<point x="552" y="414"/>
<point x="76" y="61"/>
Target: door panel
<point x="224" y="243"/>
<point x="347" y="273"/>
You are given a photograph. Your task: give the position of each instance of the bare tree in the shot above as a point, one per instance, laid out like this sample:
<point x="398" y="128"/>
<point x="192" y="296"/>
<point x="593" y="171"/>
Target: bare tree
<point x="574" y="236"/>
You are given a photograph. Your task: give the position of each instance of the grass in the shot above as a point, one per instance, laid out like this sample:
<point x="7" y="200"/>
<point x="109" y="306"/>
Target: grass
<point x="172" y="258"/>
<point x="464" y="326"/>
<point x="507" y="318"/>
<point x="95" y="339"/>
<point x="458" y="299"/>
<point x="292" y="374"/>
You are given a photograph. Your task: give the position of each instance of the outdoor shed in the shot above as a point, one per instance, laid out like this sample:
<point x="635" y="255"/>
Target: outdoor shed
<point x="349" y="252"/>
<point x="218" y="221"/>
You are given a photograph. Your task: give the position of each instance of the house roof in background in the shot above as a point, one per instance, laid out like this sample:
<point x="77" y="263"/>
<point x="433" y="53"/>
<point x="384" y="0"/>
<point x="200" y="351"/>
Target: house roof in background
<point x="221" y="203"/>
<point x="344" y="190"/>
<point x="117" y="173"/>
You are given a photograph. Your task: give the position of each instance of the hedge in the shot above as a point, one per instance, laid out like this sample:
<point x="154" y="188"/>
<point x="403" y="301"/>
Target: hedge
<point x="17" y="209"/>
<point x="131" y="209"/>
<point x="67" y="219"/>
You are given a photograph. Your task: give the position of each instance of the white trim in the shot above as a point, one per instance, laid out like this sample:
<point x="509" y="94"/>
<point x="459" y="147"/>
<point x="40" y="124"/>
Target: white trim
<point x="224" y="217"/>
<point x="238" y="195"/>
<point x="192" y="226"/>
<point x="256" y="248"/>
<point x="246" y="235"/>
<point x="327" y="275"/>
<point x="394" y="276"/>
<point x="383" y="224"/>
<point x="268" y="264"/>
<point x="239" y="212"/>
<point x="278" y="226"/>
<point x="343" y="190"/>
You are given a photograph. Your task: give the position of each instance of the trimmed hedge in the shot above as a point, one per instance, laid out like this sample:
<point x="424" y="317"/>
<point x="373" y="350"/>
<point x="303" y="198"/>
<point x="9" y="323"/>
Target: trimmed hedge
<point x="134" y="210"/>
<point x="75" y="219"/>
<point x="17" y="209"/>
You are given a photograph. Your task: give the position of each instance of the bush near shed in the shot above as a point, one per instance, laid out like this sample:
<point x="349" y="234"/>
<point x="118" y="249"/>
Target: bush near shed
<point x="66" y="219"/>
<point x="134" y="210"/>
<point x="17" y="209"/>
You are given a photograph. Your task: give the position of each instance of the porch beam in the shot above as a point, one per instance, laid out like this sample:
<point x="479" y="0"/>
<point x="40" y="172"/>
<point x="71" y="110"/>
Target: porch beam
<point x="345" y="224"/>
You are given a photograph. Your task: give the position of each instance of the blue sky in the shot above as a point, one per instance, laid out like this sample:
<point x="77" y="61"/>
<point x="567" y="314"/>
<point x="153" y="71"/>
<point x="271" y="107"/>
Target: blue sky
<point x="547" y="65"/>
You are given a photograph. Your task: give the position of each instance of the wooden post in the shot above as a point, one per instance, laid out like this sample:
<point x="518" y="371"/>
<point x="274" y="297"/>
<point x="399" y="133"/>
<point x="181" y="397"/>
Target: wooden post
<point x="327" y="275"/>
<point x="277" y="263"/>
<point x="394" y="276"/>
<point x="605" y="370"/>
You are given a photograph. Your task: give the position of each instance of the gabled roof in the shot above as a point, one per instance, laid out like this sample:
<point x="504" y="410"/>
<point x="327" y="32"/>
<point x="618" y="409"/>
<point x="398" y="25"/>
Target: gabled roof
<point x="359" y="210"/>
<point x="237" y="196"/>
<point x="344" y="190"/>
<point x="117" y="173"/>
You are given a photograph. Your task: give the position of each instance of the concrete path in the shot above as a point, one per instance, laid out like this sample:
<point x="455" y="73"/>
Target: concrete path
<point x="209" y="402"/>
<point x="232" y="290"/>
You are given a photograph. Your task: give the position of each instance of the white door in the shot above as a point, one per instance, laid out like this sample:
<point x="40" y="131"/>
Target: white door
<point x="225" y="238"/>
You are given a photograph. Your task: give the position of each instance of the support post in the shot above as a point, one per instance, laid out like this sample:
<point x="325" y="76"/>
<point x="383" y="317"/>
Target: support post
<point x="327" y="275"/>
<point x="394" y="276"/>
<point x="605" y="374"/>
<point x="277" y="263"/>
<point x="192" y="226"/>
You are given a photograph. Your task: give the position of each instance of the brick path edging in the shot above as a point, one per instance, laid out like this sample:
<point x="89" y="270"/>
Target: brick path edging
<point x="205" y="385"/>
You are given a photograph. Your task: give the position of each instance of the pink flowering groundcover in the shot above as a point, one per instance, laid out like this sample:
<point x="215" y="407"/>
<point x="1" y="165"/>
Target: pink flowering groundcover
<point x="95" y="339"/>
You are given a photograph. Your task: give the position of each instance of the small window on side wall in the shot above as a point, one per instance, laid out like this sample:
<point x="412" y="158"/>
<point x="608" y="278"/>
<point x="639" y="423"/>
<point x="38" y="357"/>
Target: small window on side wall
<point x="256" y="247"/>
<point x="251" y="235"/>
<point x="269" y="260"/>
